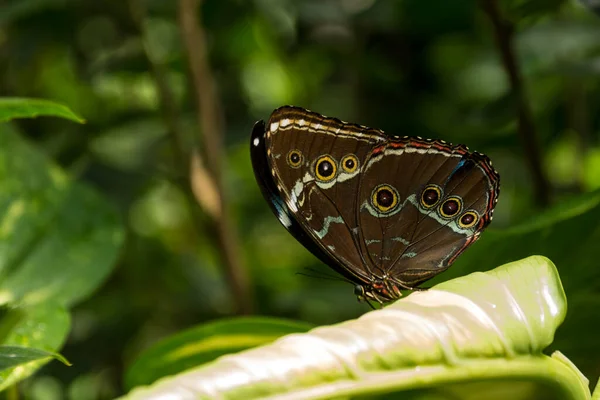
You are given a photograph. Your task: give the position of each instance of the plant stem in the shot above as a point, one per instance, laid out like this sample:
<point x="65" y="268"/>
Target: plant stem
<point x="12" y="393"/>
<point x="504" y="35"/>
<point x="578" y="121"/>
<point x="235" y="270"/>
<point x="210" y="120"/>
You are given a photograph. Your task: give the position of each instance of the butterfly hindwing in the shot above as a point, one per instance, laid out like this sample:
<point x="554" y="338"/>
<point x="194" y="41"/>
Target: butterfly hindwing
<point x="442" y="198"/>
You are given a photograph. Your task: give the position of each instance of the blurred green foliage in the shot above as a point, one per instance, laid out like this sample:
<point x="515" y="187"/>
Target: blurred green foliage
<point x="409" y="67"/>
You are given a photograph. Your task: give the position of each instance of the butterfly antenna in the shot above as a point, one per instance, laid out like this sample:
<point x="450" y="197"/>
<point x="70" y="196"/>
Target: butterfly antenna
<point x="317" y="277"/>
<point x="323" y="275"/>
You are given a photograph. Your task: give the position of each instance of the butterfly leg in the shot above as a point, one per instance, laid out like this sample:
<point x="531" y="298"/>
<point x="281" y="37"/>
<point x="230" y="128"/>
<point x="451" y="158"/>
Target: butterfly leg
<point x="419" y="289"/>
<point x="370" y="305"/>
<point x="404" y="286"/>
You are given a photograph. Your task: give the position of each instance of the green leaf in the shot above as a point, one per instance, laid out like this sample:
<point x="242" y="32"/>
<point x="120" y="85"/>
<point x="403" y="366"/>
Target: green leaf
<point x="571" y="208"/>
<point x="482" y="333"/>
<point x="58" y="239"/>
<point x="205" y="343"/>
<point x="40" y="331"/>
<point x="42" y="327"/>
<point x="13" y="107"/>
<point x="13" y="356"/>
<point x="596" y="394"/>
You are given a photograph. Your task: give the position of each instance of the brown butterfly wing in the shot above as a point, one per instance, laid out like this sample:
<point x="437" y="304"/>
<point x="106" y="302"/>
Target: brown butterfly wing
<point x="396" y="209"/>
<point x="298" y="143"/>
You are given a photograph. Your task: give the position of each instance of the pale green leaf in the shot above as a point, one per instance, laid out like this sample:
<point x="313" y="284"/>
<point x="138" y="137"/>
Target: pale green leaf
<point x="478" y="336"/>
<point x="206" y="342"/>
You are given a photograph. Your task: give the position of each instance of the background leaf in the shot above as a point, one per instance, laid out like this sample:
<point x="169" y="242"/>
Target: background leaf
<point x="11" y="108"/>
<point x="40" y="328"/>
<point x="204" y="343"/>
<point x="12" y="356"/>
<point x="58" y="240"/>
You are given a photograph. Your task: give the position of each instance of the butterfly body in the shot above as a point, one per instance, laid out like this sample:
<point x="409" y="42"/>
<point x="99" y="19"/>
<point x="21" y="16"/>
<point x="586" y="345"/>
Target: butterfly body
<point x="388" y="213"/>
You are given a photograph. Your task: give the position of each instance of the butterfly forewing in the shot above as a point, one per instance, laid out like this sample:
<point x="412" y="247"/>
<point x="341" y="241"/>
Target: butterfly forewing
<point x="317" y="162"/>
<point x="271" y="193"/>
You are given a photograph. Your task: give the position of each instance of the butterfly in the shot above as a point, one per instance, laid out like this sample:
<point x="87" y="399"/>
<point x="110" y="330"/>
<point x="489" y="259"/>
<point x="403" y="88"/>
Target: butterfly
<point x="386" y="212"/>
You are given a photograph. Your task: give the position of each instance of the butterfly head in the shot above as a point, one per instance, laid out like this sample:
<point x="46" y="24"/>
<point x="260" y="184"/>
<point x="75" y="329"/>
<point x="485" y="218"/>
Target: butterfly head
<point x="382" y="290"/>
